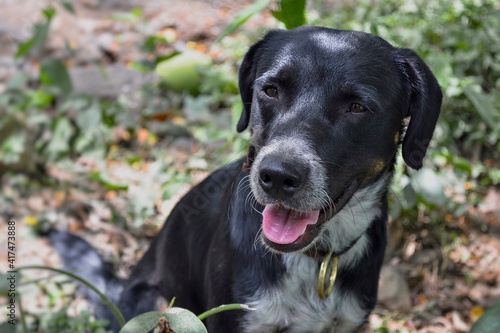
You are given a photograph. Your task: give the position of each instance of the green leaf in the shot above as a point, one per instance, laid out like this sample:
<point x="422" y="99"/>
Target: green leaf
<point x="54" y="73"/>
<point x="39" y="118"/>
<point x="59" y="143"/>
<point x="107" y="183"/>
<point x="429" y="186"/>
<point x="242" y="16"/>
<point x="151" y="43"/>
<point x="40" y="33"/>
<point x="136" y="12"/>
<point x="18" y="81"/>
<point x="293" y="13"/>
<point x="494" y="175"/>
<point x="92" y="143"/>
<point x="132" y="16"/>
<point x="68" y="6"/>
<point x="143" y="323"/>
<point x="236" y="111"/>
<point x="24" y="48"/>
<point x="40" y="99"/>
<point x="277" y="15"/>
<point x="489" y="322"/>
<point x="483" y="105"/>
<point x="440" y="64"/>
<point x="12" y="148"/>
<point x="89" y="118"/>
<point x="49" y="13"/>
<point x="410" y="196"/>
<point x="182" y="72"/>
<point x="463" y="164"/>
<point x="184" y="321"/>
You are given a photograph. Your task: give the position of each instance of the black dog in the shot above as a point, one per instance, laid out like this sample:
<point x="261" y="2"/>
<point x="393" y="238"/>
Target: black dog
<point x="327" y="110"/>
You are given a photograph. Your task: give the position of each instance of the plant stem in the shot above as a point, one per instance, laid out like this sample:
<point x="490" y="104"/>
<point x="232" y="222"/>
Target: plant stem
<point x="222" y="308"/>
<point x="106" y="300"/>
<point x="23" y="321"/>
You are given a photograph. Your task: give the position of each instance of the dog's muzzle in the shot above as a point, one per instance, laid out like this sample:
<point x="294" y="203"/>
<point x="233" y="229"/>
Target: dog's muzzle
<point x="287" y="179"/>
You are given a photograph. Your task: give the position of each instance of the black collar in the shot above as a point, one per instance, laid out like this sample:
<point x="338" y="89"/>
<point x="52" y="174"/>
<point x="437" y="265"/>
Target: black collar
<point x="320" y="254"/>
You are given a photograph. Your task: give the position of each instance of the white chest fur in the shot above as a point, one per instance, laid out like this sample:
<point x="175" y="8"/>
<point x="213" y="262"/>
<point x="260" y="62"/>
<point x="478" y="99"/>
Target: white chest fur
<point x="295" y="307"/>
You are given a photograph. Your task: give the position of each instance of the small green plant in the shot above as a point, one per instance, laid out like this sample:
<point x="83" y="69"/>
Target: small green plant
<point x="61" y="322"/>
<point x="292" y="13"/>
<point x="177" y="320"/>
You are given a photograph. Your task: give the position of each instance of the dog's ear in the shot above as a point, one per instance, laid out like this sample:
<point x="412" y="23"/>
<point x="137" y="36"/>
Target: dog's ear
<point x="424" y="107"/>
<point x="246" y="79"/>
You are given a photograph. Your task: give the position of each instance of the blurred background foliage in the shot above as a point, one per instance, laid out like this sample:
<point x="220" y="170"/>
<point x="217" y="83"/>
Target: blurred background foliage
<point x="188" y="92"/>
<point x="188" y="100"/>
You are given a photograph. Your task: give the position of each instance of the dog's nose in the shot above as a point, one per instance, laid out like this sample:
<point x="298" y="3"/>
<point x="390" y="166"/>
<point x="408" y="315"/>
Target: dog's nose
<point x="281" y="178"/>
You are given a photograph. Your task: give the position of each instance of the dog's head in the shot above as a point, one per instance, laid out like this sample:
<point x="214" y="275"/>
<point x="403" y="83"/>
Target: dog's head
<point x="327" y="110"/>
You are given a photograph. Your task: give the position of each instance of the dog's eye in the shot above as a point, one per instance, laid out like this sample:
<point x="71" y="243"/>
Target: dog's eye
<point x="271" y="92"/>
<point x="357" y="108"/>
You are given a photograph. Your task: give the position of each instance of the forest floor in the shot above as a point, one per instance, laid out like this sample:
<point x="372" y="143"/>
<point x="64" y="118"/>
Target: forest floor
<point x="435" y="278"/>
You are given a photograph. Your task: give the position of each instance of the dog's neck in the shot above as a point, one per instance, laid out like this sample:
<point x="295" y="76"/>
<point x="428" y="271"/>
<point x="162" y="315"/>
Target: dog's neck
<point x="320" y="254"/>
<point x="328" y="263"/>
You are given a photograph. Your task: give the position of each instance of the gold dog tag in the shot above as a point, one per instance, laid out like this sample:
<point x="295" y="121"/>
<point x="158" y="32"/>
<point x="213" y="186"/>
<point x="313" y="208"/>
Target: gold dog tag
<point x="328" y="264"/>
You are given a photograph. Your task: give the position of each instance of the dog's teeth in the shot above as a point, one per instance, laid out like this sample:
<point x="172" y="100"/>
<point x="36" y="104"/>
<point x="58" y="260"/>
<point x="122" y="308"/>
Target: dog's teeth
<point x="303" y="231"/>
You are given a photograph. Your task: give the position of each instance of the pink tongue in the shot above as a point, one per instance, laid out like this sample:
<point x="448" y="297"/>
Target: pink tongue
<point x="284" y="226"/>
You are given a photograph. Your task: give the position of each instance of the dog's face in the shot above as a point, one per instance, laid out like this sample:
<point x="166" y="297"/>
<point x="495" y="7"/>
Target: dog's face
<point x="326" y="110"/>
